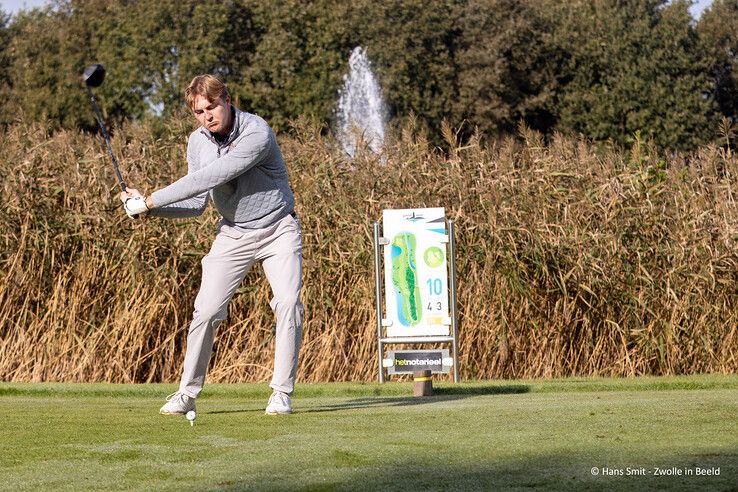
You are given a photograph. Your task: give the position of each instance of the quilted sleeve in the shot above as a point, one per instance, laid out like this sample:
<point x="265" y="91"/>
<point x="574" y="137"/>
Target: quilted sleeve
<point x="248" y="150"/>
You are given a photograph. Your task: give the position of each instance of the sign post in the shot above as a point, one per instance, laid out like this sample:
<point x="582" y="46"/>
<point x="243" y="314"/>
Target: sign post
<point x="420" y="287"/>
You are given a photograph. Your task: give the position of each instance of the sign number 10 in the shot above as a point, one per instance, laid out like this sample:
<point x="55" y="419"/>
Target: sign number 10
<point x="435" y="286"/>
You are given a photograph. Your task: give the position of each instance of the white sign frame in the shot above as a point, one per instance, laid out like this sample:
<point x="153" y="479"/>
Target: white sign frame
<point x="416" y="272"/>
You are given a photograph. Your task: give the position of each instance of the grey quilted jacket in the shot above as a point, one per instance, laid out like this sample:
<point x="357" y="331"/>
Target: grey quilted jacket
<point x="245" y="176"/>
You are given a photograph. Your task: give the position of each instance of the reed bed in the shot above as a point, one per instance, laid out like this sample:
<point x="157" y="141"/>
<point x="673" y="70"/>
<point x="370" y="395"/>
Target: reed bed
<point x="574" y="258"/>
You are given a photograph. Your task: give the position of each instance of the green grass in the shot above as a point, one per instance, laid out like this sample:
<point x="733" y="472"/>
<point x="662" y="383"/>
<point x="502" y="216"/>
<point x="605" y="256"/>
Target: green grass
<point x="544" y="434"/>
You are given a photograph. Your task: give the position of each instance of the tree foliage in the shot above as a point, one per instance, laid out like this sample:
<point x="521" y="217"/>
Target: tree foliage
<point x="44" y="47"/>
<point x="632" y="66"/>
<point x="506" y="66"/>
<point x="607" y="69"/>
<point x="718" y="35"/>
<point x="150" y="52"/>
<point x="297" y="59"/>
<point x="4" y="39"/>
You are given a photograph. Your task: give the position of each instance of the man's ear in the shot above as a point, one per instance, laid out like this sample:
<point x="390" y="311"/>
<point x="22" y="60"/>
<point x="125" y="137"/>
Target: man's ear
<point x="228" y="99"/>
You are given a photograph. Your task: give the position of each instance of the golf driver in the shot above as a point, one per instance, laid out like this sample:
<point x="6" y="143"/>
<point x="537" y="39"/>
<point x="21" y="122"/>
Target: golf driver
<point x="93" y="76"/>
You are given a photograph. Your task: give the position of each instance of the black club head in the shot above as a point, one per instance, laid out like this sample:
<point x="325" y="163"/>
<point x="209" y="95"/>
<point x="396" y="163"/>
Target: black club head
<point x="94" y="75"/>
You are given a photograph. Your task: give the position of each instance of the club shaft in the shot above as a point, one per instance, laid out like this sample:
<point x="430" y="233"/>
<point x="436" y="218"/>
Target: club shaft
<point x="100" y="123"/>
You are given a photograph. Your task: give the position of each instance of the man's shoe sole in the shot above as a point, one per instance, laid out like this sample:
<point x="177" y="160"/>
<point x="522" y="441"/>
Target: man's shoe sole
<point x="278" y="413"/>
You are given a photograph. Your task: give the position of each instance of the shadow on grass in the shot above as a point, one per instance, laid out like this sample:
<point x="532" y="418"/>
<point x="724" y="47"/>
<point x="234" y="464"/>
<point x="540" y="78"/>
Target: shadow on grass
<point x="439" y="395"/>
<point x="568" y="471"/>
<point x="239" y="410"/>
<point x="449" y="393"/>
<point x="496" y="389"/>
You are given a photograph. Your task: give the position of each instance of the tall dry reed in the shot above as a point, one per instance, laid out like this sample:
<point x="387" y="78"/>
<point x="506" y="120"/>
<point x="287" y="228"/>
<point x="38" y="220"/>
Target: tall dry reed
<point x="573" y="258"/>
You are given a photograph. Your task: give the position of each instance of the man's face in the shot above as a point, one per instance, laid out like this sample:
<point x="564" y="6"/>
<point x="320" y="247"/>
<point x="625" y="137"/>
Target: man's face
<point x="215" y="116"/>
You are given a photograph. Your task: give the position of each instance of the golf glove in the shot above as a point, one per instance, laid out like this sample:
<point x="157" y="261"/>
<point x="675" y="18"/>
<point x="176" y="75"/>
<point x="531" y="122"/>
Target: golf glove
<point x="136" y="207"/>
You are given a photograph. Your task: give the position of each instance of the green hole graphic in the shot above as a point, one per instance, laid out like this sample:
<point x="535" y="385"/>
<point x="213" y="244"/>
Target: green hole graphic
<point x="433" y="256"/>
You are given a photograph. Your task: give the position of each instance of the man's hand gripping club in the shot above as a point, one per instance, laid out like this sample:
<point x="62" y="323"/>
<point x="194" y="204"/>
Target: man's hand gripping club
<point x="134" y="203"/>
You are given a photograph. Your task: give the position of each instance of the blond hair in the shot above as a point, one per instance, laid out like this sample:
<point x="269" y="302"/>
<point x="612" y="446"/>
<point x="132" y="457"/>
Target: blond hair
<point x="208" y="86"/>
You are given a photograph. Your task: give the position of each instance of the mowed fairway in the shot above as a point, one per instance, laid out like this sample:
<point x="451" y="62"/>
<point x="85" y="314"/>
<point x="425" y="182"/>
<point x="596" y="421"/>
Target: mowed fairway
<point x="553" y="434"/>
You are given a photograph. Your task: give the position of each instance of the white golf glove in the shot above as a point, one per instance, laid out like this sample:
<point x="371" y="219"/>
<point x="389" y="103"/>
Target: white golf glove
<point x="136" y="207"/>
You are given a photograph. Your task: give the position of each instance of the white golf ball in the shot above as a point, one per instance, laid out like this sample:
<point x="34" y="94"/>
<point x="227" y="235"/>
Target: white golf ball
<point x="191" y="415"/>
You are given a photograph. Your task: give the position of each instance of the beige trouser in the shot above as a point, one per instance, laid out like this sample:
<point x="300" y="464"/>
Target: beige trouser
<point x="279" y="248"/>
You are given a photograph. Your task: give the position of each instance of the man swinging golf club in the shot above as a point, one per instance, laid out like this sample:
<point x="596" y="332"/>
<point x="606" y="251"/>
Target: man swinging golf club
<point x="233" y="158"/>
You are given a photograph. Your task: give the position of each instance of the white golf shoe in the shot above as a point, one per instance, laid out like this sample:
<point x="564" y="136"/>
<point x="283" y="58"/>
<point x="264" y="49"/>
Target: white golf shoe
<point x="177" y="404"/>
<point x="279" y="404"/>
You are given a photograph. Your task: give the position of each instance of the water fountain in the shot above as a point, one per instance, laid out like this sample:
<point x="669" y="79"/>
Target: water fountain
<point x="361" y="112"/>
